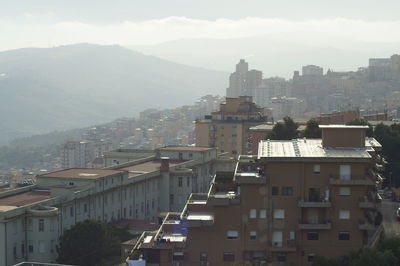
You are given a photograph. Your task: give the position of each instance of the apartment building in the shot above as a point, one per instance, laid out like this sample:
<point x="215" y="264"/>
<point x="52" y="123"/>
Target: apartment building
<point x="294" y="200"/>
<point x="33" y="218"/>
<point x="228" y="128"/>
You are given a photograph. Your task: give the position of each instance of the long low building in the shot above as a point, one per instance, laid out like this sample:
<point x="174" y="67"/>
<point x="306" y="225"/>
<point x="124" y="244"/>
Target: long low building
<point x="32" y="218"/>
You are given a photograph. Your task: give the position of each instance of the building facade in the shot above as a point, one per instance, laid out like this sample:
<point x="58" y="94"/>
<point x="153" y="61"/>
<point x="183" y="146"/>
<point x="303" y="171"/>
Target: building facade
<point x="33" y="218"/>
<point x="295" y="200"/>
<point x="228" y="128"/>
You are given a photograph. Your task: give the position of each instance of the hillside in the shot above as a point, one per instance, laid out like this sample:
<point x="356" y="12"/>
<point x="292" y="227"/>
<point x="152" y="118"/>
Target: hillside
<point x="47" y="89"/>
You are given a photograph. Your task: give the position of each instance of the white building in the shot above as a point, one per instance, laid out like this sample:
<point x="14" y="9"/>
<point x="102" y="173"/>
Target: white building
<point x="32" y="218"/>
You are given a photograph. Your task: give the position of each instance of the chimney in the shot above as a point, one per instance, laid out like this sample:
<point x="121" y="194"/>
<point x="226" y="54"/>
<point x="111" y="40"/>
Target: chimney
<point x="164" y="164"/>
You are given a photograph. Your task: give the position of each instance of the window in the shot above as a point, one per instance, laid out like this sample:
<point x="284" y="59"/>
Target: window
<point x="234" y="135"/>
<point x="345" y="172"/>
<point x="232" y="235"/>
<point x="263" y="214"/>
<point x="41" y="225"/>
<point x="344" y="236"/>
<point x="190" y="155"/>
<point x="71" y="211"/>
<point x="30" y="246"/>
<point x="277" y="238"/>
<point x="171" y="198"/>
<point x="253" y="213"/>
<point x="234" y="152"/>
<point x="279" y="214"/>
<point x="23" y="249"/>
<point x="344" y="191"/>
<point x="42" y="246"/>
<point x="312" y="236"/>
<point x="228" y="256"/>
<point x="203" y="256"/>
<point x="188" y="181"/>
<point x="310" y="257"/>
<point x="344" y="214"/>
<point x="275" y="191"/>
<point x="292" y="235"/>
<point x="281" y="258"/>
<point x="177" y="256"/>
<point x="15" y="250"/>
<point x="287" y="191"/>
<point x="180" y="181"/>
<point x="253" y="235"/>
<point x="85" y="208"/>
<point x="180" y="156"/>
<point x="317" y="168"/>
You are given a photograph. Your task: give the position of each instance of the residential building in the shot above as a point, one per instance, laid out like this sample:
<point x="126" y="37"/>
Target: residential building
<point x="243" y="82"/>
<point x="32" y="218"/>
<point x="228" y="128"/>
<point x="293" y="201"/>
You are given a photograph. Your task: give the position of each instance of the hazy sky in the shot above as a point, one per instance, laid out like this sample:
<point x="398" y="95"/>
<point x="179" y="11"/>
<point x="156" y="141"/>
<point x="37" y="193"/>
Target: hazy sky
<point x="42" y="23"/>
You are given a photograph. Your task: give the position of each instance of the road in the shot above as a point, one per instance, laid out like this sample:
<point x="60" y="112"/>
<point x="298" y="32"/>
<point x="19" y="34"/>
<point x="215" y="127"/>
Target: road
<point x="390" y="223"/>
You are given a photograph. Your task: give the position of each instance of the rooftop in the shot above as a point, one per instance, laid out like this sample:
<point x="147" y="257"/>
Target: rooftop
<point x="311" y="148"/>
<point x="147" y="167"/>
<point x="82" y="173"/>
<point x="342" y="126"/>
<point x="185" y="148"/>
<point x="269" y="127"/>
<point x="24" y="198"/>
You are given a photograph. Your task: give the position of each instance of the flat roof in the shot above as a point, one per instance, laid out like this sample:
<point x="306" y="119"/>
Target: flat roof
<point x="82" y="173"/>
<point x="147" y="167"/>
<point x="269" y="127"/>
<point x="309" y="148"/>
<point x="186" y="148"/>
<point x="24" y="198"/>
<point x="342" y="126"/>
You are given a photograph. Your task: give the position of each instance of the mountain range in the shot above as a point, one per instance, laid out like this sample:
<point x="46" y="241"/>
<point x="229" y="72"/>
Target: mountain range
<point x="47" y="89"/>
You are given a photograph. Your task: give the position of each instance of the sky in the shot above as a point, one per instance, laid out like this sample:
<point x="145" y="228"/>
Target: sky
<point x="44" y="23"/>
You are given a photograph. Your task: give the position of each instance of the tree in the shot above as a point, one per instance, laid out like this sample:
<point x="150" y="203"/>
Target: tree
<point x="362" y="122"/>
<point x="285" y="131"/>
<point x="87" y="243"/>
<point x="312" y="130"/>
<point x="373" y="257"/>
<point x="322" y="261"/>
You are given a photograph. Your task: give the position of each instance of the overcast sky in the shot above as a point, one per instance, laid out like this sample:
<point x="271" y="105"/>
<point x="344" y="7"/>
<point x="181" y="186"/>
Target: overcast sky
<point x="43" y="23"/>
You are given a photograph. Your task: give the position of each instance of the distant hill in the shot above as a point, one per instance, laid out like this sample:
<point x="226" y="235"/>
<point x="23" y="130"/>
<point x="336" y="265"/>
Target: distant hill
<point x="47" y="89"/>
<point x="274" y="54"/>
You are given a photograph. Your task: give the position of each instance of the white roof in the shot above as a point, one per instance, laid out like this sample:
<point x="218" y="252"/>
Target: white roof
<point x="310" y="148"/>
<point x="342" y="126"/>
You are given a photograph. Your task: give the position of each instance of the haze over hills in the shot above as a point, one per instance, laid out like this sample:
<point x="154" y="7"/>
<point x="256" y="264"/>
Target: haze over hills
<point x="275" y="54"/>
<point x="72" y="86"/>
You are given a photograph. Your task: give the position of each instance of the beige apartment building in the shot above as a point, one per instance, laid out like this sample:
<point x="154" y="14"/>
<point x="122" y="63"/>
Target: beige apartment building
<point x="228" y="128"/>
<point x="293" y="201"/>
<point x="32" y="218"/>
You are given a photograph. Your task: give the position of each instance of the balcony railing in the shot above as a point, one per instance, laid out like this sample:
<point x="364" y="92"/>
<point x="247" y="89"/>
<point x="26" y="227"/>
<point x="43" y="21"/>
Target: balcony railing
<point x="314" y="204"/>
<point x="283" y="246"/>
<point x="354" y="180"/>
<point x="320" y="225"/>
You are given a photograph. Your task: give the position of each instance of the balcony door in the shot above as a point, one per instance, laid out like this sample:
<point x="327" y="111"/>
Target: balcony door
<point x="345" y="172"/>
<point x="312" y="216"/>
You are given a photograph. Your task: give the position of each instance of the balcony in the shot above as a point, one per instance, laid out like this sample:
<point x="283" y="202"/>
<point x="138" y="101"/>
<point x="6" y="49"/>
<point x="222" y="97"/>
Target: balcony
<point x="314" y="204"/>
<point x="366" y="226"/>
<point x="315" y="226"/>
<point x="288" y="246"/>
<point x="361" y="180"/>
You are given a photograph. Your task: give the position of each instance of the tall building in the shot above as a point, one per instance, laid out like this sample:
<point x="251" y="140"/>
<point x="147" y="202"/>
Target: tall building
<point x="228" y="128"/>
<point x="32" y="218"/>
<point x="295" y="200"/>
<point x="243" y="82"/>
<point x="78" y="154"/>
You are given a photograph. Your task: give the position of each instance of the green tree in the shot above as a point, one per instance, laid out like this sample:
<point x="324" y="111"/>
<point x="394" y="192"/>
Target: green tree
<point x="312" y="130"/>
<point x="87" y="243"/>
<point x="362" y="122"/>
<point x="373" y="257"/>
<point x="323" y="261"/>
<point x="285" y="131"/>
